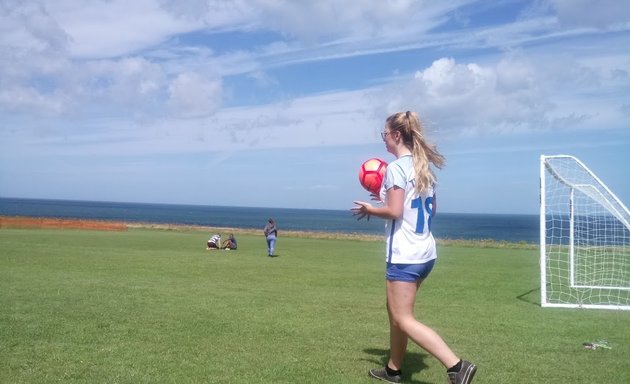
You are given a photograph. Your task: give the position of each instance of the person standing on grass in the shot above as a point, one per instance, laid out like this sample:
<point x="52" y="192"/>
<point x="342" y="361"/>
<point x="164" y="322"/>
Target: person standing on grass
<point x="408" y="204"/>
<point x="271" y="232"/>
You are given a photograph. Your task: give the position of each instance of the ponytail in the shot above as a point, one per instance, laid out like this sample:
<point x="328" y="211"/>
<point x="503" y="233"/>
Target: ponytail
<point x="423" y="153"/>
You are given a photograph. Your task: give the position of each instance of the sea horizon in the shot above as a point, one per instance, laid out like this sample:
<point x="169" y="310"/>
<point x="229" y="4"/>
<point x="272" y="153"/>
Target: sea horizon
<point x="446" y="225"/>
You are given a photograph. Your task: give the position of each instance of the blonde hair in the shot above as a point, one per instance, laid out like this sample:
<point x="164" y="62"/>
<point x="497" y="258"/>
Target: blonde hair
<point x="423" y="153"/>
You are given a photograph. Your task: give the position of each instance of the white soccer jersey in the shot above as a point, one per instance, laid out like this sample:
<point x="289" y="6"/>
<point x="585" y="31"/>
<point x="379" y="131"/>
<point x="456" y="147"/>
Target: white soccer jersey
<point x="409" y="238"/>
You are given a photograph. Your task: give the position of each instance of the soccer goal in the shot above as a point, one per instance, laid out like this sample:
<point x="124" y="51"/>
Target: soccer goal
<point x="584" y="238"/>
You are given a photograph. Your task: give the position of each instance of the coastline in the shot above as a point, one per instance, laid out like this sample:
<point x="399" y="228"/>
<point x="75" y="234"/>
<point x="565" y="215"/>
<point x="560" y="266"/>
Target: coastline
<point x="34" y="222"/>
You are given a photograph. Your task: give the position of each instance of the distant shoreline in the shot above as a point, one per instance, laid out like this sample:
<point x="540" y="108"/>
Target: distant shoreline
<point x="512" y="228"/>
<point x="35" y="222"/>
<point x="39" y="222"/>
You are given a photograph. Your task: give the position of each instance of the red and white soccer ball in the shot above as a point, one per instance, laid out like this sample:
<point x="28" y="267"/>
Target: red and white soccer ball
<point x="371" y="174"/>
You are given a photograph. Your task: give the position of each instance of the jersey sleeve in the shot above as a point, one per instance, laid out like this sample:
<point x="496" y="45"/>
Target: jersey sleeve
<point x="395" y="176"/>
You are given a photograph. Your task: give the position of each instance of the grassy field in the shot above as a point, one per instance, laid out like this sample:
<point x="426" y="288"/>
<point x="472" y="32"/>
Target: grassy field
<point x="153" y="306"/>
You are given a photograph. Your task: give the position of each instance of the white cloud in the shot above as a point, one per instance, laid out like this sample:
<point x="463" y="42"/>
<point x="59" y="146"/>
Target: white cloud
<point x="192" y="95"/>
<point x="311" y="21"/>
<point x="474" y="98"/>
<point x="263" y="79"/>
<point x="104" y="29"/>
<point x="29" y="26"/>
<point x="518" y="93"/>
<point x="446" y="79"/>
<point x="514" y="91"/>
<point x="133" y="75"/>
<point x="24" y="99"/>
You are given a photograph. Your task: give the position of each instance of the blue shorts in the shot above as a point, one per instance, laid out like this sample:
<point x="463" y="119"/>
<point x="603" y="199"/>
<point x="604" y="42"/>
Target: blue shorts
<point x="408" y="272"/>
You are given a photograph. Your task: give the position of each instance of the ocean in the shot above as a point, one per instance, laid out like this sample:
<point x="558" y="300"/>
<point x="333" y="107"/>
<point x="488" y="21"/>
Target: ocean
<point x="500" y="227"/>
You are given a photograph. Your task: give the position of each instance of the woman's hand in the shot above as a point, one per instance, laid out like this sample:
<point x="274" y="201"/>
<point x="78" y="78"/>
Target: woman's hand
<point x="361" y="210"/>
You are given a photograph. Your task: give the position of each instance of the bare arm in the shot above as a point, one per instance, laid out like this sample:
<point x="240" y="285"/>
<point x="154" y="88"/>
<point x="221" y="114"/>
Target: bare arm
<point x="392" y="209"/>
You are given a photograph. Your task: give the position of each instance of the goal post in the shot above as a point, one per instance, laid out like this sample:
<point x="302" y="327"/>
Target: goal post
<point x="584" y="238"/>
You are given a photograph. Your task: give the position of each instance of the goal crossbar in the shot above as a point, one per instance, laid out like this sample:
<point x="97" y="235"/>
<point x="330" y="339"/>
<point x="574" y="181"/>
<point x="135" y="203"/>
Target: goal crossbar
<point x="601" y="195"/>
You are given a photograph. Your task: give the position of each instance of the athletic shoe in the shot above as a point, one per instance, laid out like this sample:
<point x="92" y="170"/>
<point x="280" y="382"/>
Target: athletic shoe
<point x="381" y="374"/>
<point x="465" y="374"/>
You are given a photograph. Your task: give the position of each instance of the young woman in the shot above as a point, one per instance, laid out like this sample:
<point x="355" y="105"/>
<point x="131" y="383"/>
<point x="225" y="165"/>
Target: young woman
<point x="409" y="203"/>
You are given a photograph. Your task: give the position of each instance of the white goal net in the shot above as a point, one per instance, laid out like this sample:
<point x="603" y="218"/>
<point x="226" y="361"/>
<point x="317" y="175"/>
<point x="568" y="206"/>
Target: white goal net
<point x="584" y="238"/>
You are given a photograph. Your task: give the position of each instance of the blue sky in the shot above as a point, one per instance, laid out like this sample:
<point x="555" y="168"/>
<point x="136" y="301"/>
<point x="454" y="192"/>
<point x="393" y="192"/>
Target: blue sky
<point x="277" y="103"/>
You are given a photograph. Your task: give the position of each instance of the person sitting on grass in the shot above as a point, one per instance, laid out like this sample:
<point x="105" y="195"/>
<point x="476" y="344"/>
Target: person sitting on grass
<point x="230" y="243"/>
<point x="214" y="242"/>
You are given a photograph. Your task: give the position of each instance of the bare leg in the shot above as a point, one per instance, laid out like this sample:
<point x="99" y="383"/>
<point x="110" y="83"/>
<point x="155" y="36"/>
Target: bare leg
<point x="401" y="297"/>
<point x="397" y="343"/>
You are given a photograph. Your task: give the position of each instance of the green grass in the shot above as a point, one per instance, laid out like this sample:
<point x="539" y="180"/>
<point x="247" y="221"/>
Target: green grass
<point x="153" y="306"/>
